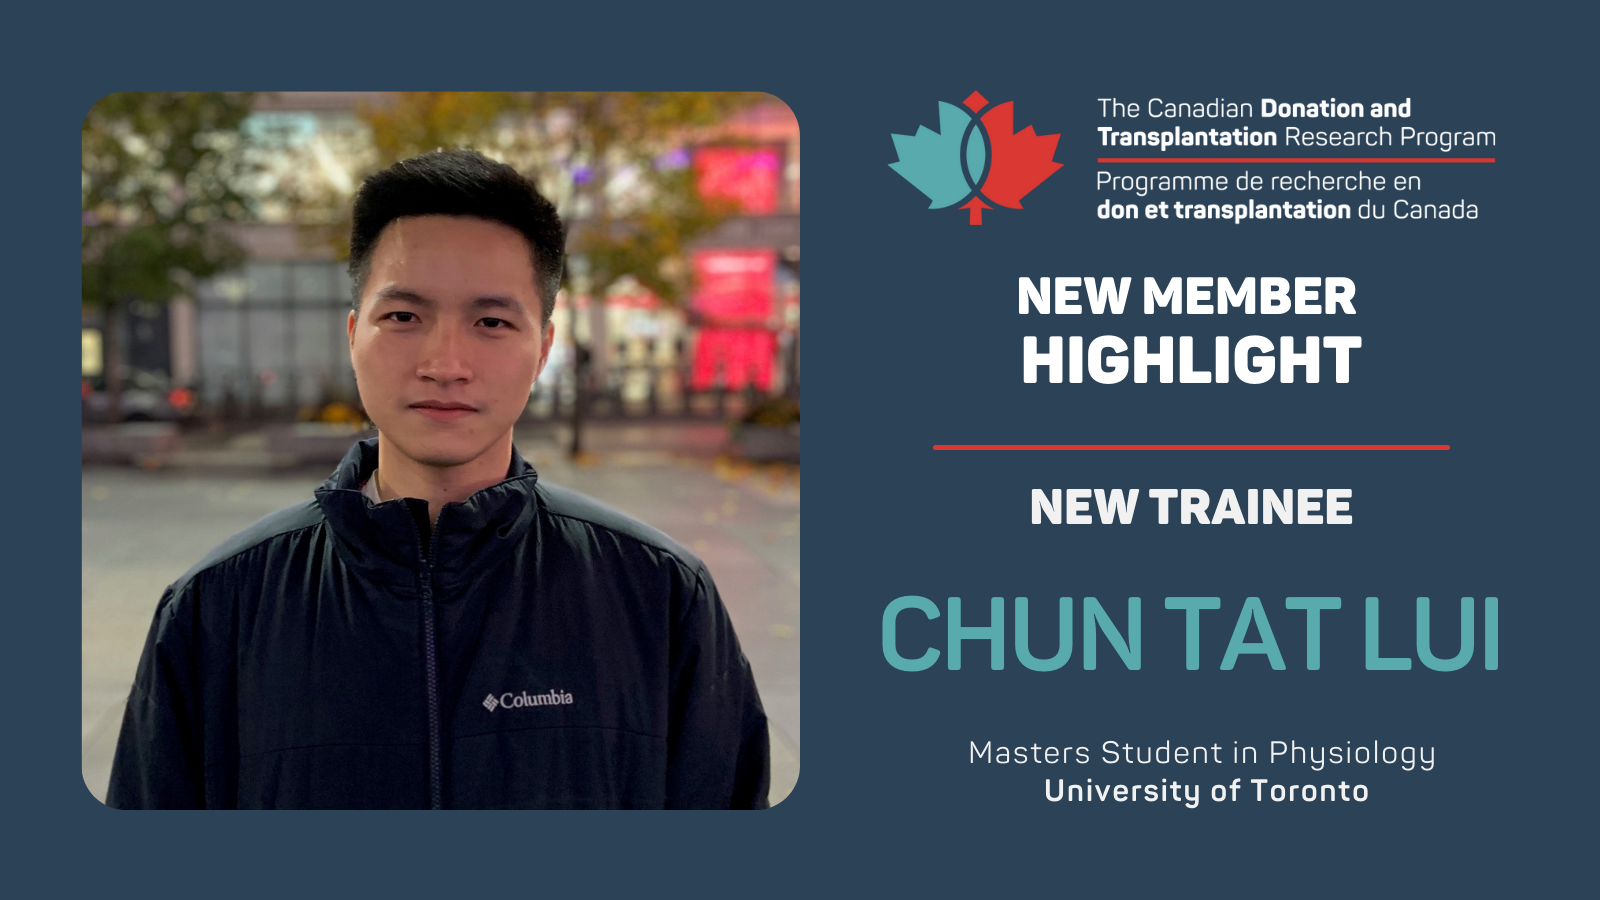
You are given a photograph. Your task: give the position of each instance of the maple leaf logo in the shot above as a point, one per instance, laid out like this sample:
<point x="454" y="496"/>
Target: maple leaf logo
<point x="975" y="157"/>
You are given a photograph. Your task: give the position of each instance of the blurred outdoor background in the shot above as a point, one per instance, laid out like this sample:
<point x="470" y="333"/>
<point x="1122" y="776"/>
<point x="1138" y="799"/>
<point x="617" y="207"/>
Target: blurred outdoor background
<point x="217" y="385"/>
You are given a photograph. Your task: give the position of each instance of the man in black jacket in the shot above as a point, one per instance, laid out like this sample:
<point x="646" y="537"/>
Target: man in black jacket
<point x="437" y="628"/>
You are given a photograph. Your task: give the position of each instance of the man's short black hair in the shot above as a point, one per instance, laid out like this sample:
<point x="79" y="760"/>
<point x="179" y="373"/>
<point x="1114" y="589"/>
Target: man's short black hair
<point x="460" y="183"/>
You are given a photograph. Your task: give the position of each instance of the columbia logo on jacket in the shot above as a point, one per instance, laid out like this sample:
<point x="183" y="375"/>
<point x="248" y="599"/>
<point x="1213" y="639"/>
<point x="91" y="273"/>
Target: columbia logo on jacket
<point x="552" y="697"/>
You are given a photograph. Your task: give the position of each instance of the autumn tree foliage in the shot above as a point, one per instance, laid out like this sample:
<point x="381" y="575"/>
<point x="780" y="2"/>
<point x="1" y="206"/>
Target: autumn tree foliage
<point x="611" y="162"/>
<point x="160" y="172"/>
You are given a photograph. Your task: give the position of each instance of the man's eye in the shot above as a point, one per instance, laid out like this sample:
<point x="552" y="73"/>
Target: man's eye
<point x="402" y="316"/>
<point x="494" y="323"/>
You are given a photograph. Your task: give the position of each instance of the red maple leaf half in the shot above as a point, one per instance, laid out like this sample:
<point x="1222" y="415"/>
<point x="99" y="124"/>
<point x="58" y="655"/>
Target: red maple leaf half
<point x="1022" y="161"/>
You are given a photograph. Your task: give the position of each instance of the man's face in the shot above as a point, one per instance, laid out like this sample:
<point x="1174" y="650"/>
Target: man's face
<point x="447" y="341"/>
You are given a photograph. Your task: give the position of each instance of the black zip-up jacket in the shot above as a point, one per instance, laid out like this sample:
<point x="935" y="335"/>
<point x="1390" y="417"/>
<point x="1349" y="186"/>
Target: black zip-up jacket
<point x="530" y="649"/>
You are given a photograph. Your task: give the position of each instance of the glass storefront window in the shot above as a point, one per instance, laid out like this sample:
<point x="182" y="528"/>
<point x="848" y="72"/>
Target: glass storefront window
<point x="266" y="281"/>
<point x="314" y="282"/>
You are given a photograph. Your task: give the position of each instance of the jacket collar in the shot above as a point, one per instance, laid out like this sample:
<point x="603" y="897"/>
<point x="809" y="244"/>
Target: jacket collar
<point x="383" y="541"/>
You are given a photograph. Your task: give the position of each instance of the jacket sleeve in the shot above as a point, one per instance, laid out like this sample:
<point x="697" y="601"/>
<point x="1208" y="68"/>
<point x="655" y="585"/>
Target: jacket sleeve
<point x="717" y="755"/>
<point x="159" y="762"/>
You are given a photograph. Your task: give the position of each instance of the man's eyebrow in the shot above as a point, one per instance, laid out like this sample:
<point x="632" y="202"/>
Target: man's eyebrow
<point x="499" y="302"/>
<point x="402" y="295"/>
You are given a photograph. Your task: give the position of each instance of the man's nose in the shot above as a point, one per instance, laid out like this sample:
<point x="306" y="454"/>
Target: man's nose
<point x="444" y="357"/>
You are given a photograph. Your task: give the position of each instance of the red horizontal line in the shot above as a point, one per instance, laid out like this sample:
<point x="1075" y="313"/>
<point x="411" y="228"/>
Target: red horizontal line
<point x="1294" y="159"/>
<point x="1191" y="446"/>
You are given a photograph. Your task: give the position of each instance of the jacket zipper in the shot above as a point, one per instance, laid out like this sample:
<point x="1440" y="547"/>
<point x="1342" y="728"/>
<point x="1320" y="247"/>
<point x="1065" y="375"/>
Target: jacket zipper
<point x="430" y="655"/>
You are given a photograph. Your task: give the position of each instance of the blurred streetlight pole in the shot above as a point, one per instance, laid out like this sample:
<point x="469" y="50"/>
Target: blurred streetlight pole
<point x="580" y="284"/>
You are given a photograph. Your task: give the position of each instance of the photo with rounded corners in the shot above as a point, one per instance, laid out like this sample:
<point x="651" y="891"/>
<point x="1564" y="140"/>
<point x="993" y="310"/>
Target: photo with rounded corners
<point x="441" y="450"/>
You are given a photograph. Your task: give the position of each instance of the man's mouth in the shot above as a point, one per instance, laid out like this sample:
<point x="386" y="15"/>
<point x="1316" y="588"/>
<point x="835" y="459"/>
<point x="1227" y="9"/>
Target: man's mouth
<point x="443" y="410"/>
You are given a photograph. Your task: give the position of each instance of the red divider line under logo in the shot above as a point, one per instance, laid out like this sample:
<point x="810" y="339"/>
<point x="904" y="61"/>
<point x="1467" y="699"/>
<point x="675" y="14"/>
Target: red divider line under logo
<point x="1294" y="159"/>
<point x="1191" y="446"/>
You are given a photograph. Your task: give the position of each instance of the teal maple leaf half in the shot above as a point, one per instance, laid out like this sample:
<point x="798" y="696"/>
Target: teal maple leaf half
<point x="931" y="160"/>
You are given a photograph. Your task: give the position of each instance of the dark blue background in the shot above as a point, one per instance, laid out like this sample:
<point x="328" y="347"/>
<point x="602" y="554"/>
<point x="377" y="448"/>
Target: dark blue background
<point x="1477" y="334"/>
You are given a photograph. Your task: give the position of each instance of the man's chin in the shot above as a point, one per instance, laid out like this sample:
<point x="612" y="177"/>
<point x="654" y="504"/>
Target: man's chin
<point x="440" y="453"/>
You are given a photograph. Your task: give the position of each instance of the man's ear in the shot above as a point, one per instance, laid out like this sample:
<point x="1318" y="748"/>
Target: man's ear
<point x="544" y="350"/>
<point x="350" y="330"/>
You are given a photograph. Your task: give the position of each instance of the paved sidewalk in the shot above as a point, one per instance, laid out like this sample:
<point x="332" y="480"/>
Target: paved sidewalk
<point x="143" y="529"/>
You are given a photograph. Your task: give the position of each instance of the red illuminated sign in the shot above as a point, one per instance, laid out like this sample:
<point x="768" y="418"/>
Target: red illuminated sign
<point x="740" y="356"/>
<point x="735" y="287"/>
<point x="748" y="176"/>
<point x="734" y="292"/>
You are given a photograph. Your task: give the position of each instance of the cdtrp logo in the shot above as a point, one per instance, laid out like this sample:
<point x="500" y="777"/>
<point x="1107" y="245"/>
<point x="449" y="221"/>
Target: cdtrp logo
<point x="974" y="156"/>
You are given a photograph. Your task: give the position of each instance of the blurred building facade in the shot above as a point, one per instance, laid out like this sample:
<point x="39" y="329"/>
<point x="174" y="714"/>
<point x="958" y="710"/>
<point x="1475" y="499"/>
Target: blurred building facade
<point x="267" y="341"/>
